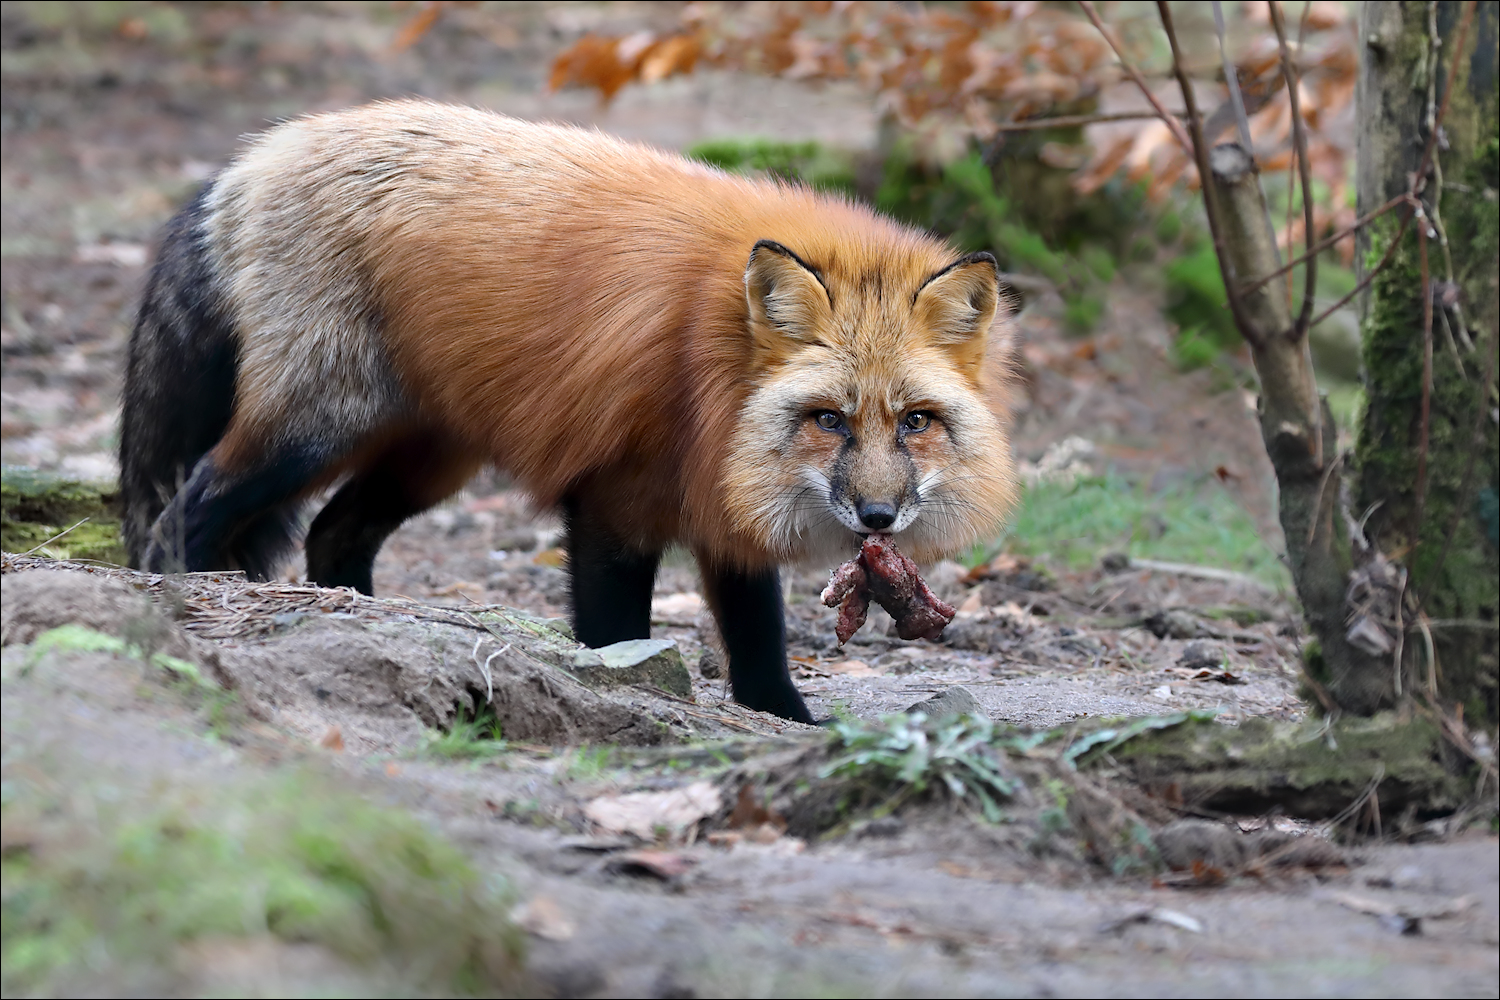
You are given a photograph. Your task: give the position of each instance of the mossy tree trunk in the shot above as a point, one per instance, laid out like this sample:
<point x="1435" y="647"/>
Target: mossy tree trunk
<point x="1437" y="517"/>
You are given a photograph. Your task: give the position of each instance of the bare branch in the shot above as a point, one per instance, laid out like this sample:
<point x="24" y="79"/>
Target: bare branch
<point x="1299" y="138"/>
<point x="1390" y="251"/>
<point x="1073" y="121"/>
<point x="1426" y="418"/>
<point x="1109" y="36"/>
<point x="1325" y="243"/>
<point x="1199" y="148"/>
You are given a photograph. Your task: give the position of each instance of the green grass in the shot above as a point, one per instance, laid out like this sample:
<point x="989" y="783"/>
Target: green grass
<point x="1073" y="525"/>
<point x="106" y="883"/>
<point x="476" y="738"/>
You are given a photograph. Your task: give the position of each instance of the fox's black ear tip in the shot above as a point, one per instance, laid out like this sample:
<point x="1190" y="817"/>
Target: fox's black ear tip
<point x="771" y="246"/>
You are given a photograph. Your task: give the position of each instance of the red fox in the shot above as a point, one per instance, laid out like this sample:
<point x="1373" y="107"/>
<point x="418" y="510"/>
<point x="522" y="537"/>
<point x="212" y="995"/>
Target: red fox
<point x="388" y="298"/>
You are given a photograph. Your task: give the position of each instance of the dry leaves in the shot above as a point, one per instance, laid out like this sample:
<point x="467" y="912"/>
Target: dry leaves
<point x="655" y="816"/>
<point x="949" y="74"/>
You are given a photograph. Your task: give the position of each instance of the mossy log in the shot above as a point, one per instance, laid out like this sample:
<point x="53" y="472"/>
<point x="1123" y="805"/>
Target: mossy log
<point x="37" y="506"/>
<point x="1435" y="515"/>
<point x="1311" y="771"/>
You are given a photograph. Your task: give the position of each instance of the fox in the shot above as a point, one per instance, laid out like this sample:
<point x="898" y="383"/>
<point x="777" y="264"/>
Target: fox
<point x="381" y="301"/>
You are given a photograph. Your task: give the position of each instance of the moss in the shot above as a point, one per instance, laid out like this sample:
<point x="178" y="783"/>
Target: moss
<point x="36" y="506"/>
<point x="1311" y="771"/>
<point x="111" y="886"/>
<point x="1461" y="577"/>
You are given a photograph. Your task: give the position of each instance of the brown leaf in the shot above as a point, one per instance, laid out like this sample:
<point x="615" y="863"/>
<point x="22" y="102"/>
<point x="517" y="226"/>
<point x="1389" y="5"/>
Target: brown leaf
<point x="332" y="740"/>
<point x="665" y="865"/>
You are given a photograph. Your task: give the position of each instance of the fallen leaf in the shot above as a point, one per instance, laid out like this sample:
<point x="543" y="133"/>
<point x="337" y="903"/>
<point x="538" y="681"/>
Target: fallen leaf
<point x="468" y="587"/>
<point x="851" y="668"/>
<point x="665" y="865"/>
<point x="750" y="812"/>
<point x="550" y="557"/>
<point x="332" y="740"/>
<point x="542" y="917"/>
<point x="1159" y="915"/>
<point x="391" y="769"/>
<point x="653" y="815"/>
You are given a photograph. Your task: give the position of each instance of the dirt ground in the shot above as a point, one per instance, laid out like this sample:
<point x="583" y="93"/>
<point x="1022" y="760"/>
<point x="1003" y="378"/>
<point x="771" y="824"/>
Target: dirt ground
<point x="105" y="131"/>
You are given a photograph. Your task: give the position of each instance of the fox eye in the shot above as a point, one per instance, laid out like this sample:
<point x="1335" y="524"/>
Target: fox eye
<point x="918" y="421"/>
<point x="828" y="420"/>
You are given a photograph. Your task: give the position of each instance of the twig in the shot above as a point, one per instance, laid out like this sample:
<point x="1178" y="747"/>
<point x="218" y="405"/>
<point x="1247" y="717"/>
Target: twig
<point x="52" y="539"/>
<point x="1304" y="171"/>
<point x="1419" y="178"/>
<point x="1199" y="149"/>
<point x="1326" y="242"/>
<point x="1172" y="123"/>
<point x="1317" y="508"/>
<point x="1201" y="573"/>
<point x="1478" y="624"/>
<point x="1424" y="426"/>
<point x="1073" y="121"/>
<point x="1364" y="282"/>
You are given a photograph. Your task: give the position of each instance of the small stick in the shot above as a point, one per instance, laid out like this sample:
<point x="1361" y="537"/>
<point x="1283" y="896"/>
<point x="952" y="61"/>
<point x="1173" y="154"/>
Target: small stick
<point x="1172" y="123"/>
<point x="1073" y="121"/>
<point x="1304" y="171"/>
<point x="52" y="539"/>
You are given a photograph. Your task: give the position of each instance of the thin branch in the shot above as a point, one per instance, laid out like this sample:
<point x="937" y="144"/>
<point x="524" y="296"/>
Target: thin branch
<point x="1419" y="181"/>
<point x="52" y="539"/>
<point x="1172" y="123"/>
<point x="1424" y="426"/>
<point x="1072" y="121"/>
<point x="1199" y="149"/>
<point x="1299" y="139"/>
<point x="1364" y="283"/>
<point x="1324" y="244"/>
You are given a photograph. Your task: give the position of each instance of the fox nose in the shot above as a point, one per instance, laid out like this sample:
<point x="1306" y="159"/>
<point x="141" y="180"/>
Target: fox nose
<point x="877" y="516"/>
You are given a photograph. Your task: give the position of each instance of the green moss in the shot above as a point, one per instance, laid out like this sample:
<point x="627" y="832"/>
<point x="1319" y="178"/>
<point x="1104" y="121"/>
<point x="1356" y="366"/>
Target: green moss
<point x="36" y="506"/>
<point x="1311" y="770"/>
<point x="1461" y="578"/>
<point x="112" y="884"/>
<point x="820" y="167"/>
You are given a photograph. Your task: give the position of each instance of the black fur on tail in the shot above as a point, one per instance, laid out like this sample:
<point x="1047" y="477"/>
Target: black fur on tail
<point x="179" y="394"/>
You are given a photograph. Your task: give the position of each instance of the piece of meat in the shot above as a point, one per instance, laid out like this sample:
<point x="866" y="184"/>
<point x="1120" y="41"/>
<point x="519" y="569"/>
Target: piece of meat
<point x="882" y="573"/>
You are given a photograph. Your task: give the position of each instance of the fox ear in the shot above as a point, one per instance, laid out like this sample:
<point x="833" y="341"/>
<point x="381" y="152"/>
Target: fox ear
<point x="957" y="305"/>
<point x="786" y="296"/>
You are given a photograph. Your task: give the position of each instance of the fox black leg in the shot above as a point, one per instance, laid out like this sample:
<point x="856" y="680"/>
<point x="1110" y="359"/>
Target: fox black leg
<point x="750" y="615"/>
<point x="405" y="479"/>
<point x="245" y="520"/>
<point x="611" y="582"/>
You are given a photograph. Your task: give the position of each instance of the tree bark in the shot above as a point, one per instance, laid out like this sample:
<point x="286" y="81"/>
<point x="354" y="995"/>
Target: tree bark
<point x="1435" y="515"/>
<point x="1300" y="438"/>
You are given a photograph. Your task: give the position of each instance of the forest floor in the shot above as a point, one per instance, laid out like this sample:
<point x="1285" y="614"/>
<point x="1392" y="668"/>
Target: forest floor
<point x="108" y="126"/>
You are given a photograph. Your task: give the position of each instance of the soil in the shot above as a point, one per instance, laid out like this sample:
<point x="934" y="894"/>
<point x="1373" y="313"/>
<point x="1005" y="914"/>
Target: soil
<point x="105" y="132"/>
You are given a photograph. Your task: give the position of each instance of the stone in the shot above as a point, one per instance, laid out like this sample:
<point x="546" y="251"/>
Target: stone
<point x="957" y="700"/>
<point x="650" y="662"/>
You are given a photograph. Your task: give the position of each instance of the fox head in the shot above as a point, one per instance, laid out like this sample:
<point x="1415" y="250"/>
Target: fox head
<point x="873" y="405"/>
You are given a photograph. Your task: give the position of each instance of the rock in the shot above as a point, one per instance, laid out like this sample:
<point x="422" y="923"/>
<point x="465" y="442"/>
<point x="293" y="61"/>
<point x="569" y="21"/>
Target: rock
<point x="1175" y="625"/>
<point x="514" y="540"/>
<point x="710" y="664"/>
<point x="1187" y="841"/>
<point x="1202" y="655"/>
<point x="652" y="662"/>
<point x="957" y="700"/>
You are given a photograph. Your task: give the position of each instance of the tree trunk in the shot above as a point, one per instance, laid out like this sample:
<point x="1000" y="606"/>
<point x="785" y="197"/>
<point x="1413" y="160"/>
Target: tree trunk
<point x="1436" y="517"/>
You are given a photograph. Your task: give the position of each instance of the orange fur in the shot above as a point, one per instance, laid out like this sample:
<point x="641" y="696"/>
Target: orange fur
<point x="578" y="310"/>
